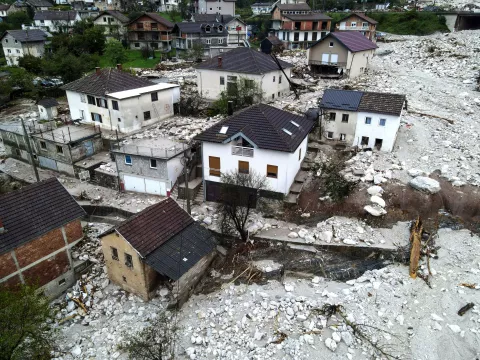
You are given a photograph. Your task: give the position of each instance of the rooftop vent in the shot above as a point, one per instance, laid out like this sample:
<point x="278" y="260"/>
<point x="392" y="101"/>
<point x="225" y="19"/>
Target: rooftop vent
<point x="286" y="131"/>
<point x="294" y="123"/>
<point x="223" y="130"/>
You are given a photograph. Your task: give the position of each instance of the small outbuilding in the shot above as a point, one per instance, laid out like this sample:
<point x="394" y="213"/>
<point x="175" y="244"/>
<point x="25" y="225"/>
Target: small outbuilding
<point x="272" y="45"/>
<point x="48" y="108"/>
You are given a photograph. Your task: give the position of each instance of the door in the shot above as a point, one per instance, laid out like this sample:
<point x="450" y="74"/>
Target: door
<point x="133" y="183"/>
<point x="88" y="145"/>
<point x="334" y="58"/>
<point x="152" y="187"/>
<point x="325" y="58"/>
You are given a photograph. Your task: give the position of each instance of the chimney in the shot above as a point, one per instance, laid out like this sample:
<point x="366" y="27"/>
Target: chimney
<point x="97" y="70"/>
<point x="119" y="66"/>
<point x="219" y="61"/>
<point x="230" y="108"/>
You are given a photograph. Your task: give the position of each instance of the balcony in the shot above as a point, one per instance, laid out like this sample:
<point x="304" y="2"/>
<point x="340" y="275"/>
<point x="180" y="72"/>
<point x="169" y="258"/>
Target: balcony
<point x="358" y="28"/>
<point x="320" y="62"/>
<point x="242" y="151"/>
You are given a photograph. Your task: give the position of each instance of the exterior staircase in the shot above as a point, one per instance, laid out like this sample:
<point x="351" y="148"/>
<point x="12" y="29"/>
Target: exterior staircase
<point x="296" y="188"/>
<point x="199" y="197"/>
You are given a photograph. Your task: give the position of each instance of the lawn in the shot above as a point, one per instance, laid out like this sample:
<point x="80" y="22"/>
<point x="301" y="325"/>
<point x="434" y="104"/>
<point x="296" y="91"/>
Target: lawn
<point x="173" y="17"/>
<point x="135" y="60"/>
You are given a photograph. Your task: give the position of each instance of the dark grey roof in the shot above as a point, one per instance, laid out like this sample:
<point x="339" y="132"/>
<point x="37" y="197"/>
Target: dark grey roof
<point x="381" y="103"/>
<point x="273" y="40"/>
<point x="108" y="81"/>
<point x="244" y="60"/>
<point x="179" y="254"/>
<point x="55" y="15"/>
<point x="199" y="28"/>
<point x="293" y="7"/>
<point x="25" y="36"/>
<point x="262" y="4"/>
<point x="116" y="14"/>
<point x="48" y="102"/>
<point x="35" y="210"/>
<point x="263" y="125"/>
<point x="39" y="3"/>
<point x="341" y="99"/>
<point x="306" y="17"/>
<point x="4" y="6"/>
<point x="212" y="18"/>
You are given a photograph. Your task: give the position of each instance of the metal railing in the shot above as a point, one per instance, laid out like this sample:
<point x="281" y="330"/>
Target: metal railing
<point x="242" y="151"/>
<point x="320" y="62"/>
<point x="160" y="153"/>
<point x="353" y="28"/>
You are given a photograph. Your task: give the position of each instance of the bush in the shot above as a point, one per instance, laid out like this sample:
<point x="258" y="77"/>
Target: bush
<point x="410" y="23"/>
<point x="246" y="92"/>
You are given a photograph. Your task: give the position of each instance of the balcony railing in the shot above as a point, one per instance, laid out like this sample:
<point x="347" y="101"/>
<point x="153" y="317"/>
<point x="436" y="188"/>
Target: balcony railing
<point x="150" y="152"/>
<point x="353" y="28"/>
<point x="320" y="62"/>
<point x="242" y="151"/>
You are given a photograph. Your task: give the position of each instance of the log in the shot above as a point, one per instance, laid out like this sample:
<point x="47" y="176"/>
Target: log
<point x="415" y="241"/>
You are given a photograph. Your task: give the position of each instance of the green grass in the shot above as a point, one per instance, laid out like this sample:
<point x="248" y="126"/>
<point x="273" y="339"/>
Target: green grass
<point x="135" y="60"/>
<point x="171" y="17"/>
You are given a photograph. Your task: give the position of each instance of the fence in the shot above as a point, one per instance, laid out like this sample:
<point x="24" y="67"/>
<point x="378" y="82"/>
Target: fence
<point x="167" y="152"/>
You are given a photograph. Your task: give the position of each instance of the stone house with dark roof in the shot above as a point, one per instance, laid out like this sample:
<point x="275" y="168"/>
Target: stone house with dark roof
<point x="56" y="21"/>
<point x="359" y="118"/>
<point x="152" y="31"/>
<point x="116" y="100"/>
<point x="39" y="225"/>
<point x="222" y="73"/>
<point x="161" y="245"/>
<point x="260" y="139"/>
<point x="341" y="54"/>
<point x="18" y="43"/>
<point x="358" y="22"/>
<point x="114" y="22"/>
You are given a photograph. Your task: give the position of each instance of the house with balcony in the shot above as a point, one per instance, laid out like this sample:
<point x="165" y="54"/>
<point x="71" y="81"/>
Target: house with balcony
<point x="360" y="118"/>
<point x="222" y="73"/>
<point x="237" y="29"/>
<point x="297" y="26"/>
<point x="341" y="54"/>
<point x="211" y="36"/>
<point x="55" y="21"/>
<point x="152" y="31"/>
<point x="260" y="139"/>
<point x="220" y="7"/>
<point x="116" y="100"/>
<point x="358" y="22"/>
<point x="114" y="23"/>
<point x="262" y="8"/>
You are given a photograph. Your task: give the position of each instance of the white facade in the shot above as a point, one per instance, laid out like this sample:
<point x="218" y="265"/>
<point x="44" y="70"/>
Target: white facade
<point x="288" y="163"/>
<point x="236" y="37"/>
<point x="167" y="5"/>
<point x="262" y="8"/>
<point x="47" y="113"/>
<point x="273" y="84"/>
<point x="56" y="25"/>
<point x="216" y="7"/>
<point x="113" y="27"/>
<point x="380" y="127"/>
<point x="135" y="107"/>
<point x="14" y="49"/>
<point x="339" y="129"/>
<point x="3" y="13"/>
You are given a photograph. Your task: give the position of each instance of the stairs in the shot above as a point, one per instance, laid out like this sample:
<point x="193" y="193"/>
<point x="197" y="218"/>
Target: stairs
<point x="296" y="188"/>
<point x="199" y="197"/>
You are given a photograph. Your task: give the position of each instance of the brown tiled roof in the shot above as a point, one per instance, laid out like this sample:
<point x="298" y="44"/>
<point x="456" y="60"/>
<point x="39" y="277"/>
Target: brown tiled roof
<point x="155" y="225"/>
<point x="263" y="125"/>
<point x="35" y="210"/>
<point x="116" y="14"/>
<point x="382" y="103"/>
<point x="157" y="18"/>
<point x="361" y="16"/>
<point x="108" y="81"/>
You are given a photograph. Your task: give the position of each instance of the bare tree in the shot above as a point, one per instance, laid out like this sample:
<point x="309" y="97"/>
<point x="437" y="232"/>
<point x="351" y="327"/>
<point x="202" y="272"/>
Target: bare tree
<point x="240" y="193"/>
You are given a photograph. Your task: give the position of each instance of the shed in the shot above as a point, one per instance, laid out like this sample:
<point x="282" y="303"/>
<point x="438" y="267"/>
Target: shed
<point x="271" y="44"/>
<point x="47" y="108"/>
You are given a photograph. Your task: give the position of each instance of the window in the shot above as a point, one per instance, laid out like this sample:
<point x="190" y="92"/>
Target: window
<point x="128" y="160"/>
<point x="91" y="100"/>
<point x="220" y="41"/>
<point x="243" y="167"/>
<point x="294" y="123"/>
<point x="59" y="149"/>
<point x="16" y="41"/>
<point x="102" y="103"/>
<point x="249" y="84"/>
<point x="280" y="79"/>
<point x="128" y="260"/>
<point x="354" y="24"/>
<point x="114" y="105"/>
<point x="140" y="25"/>
<point x="278" y="94"/>
<point x="343" y="137"/>
<point x="61" y="282"/>
<point x="119" y="120"/>
<point x="18" y="51"/>
<point x="137" y="45"/>
<point x="9" y="51"/>
<point x="383" y="122"/>
<point x="154" y="26"/>
<point x="332" y="116"/>
<point x="364" y="140"/>
<point x="18" y="152"/>
<point x="43" y="145"/>
<point x="6" y="41"/>
<point x="96" y="117"/>
<point x="153" y="163"/>
<point x="208" y="41"/>
<point x="314" y="36"/>
<point x="223" y="130"/>
<point x="273" y="78"/>
<point x="146" y="115"/>
<point x="154" y="96"/>
<point x="331" y="44"/>
<point x="299" y="154"/>
<point x="104" y="19"/>
<point x="82" y="98"/>
<point x="344" y="118"/>
<point x="329" y="135"/>
<point x="272" y="171"/>
<point x="273" y="96"/>
<point x="207" y="28"/>
<point x="214" y="164"/>
<point x="114" y="253"/>
<point x="368" y="120"/>
<point x="141" y="36"/>
<point x="222" y="80"/>
<point x="82" y="114"/>
<point x="365" y="24"/>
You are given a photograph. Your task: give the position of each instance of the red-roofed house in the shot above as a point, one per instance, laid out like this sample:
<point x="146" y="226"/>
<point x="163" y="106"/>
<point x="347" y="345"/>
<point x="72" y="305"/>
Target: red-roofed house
<point x="341" y="54"/>
<point x="358" y="22"/>
<point x="152" y="31"/>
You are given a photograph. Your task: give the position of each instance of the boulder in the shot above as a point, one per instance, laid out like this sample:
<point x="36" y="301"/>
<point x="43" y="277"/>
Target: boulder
<point x="331" y="344"/>
<point x="425" y="184"/>
<point x="208" y="220"/>
<point x="378" y="200"/>
<point x="375" y="190"/>
<point x="416" y="172"/>
<point x="293" y="235"/>
<point x="326" y="236"/>
<point x="375" y="210"/>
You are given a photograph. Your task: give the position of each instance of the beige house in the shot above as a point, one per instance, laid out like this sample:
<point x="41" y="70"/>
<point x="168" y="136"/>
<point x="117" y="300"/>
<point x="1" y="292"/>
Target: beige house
<point x="358" y="22"/>
<point x="161" y="245"/>
<point x="341" y="54"/>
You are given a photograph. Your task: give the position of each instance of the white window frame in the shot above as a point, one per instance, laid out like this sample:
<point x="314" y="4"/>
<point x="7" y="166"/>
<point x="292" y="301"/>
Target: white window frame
<point x="353" y="24"/>
<point x="128" y="163"/>
<point x="156" y="164"/>
<point x="331" y="44"/>
<point x="208" y="41"/>
<point x="368" y="123"/>
<point x="328" y="136"/>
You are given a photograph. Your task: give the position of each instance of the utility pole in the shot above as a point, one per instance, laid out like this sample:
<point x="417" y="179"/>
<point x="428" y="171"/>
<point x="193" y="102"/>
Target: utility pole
<point x="185" y="172"/>
<point x="27" y="140"/>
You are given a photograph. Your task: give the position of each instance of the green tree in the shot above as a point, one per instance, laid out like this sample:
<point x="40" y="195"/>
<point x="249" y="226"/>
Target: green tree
<point x="68" y="66"/>
<point x="115" y="52"/>
<point x="185" y="8"/>
<point x="32" y="64"/>
<point x="244" y="92"/>
<point x="25" y="324"/>
<point x="195" y="53"/>
<point x="18" y="18"/>
<point x="94" y="40"/>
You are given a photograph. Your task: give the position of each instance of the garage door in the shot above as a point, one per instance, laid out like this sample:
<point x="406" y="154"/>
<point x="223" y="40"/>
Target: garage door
<point x="47" y="163"/>
<point x="153" y="187"/>
<point x="133" y="183"/>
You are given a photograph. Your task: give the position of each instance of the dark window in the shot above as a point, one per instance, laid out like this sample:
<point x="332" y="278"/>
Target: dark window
<point x="305" y="36"/>
<point x="119" y="120"/>
<point x="314" y="36"/>
<point x="368" y="120"/>
<point x="345" y="118"/>
<point x="364" y="140"/>
<point x="329" y="135"/>
<point x="115" y="105"/>
<point x="272" y="171"/>
<point x="128" y="160"/>
<point x="61" y="282"/>
<point x="137" y="44"/>
<point x="59" y="149"/>
<point x="139" y="25"/>
<point x="332" y="116"/>
<point x="128" y="260"/>
<point x="141" y="36"/>
<point x="153" y="163"/>
<point x="274" y="79"/>
<point x="154" y="26"/>
<point x="43" y="144"/>
<point x="383" y="122"/>
<point x="343" y="137"/>
<point x="97" y="117"/>
<point x="114" y="253"/>
<point x="280" y="79"/>
<point x="331" y="43"/>
<point x="91" y="100"/>
<point x="18" y="152"/>
<point x="146" y="115"/>
<point x="299" y="154"/>
<point x="154" y="96"/>
<point x="249" y="84"/>
<point x="102" y="103"/>
<point x="222" y="80"/>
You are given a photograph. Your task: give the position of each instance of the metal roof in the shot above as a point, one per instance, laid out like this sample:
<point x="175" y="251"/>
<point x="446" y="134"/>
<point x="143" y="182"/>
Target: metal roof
<point x="48" y="102"/>
<point x="116" y="14"/>
<point x="199" y="28"/>
<point x="27" y="35"/>
<point x="341" y="99"/>
<point x="143" y="90"/>
<point x="293" y="7"/>
<point x="55" y="15"/>
<point x="354" y="41"/>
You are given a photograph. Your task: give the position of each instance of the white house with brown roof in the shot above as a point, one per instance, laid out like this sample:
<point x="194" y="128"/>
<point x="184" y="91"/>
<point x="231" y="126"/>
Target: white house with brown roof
<point x="358" y="22"/>
<point x="221" y="72"/>
<point x="116" y="100"/>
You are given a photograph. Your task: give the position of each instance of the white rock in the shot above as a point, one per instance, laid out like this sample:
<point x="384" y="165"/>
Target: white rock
<point x="208" y="220"/>
<point x="455" y="328"/>
<point x="71" y="306"/>
<point x="375" y="210"/>
<point x="308" y="339"/>
<point x="436" y="317"/>
<point x="336" y="337"/>
<point x="76" y="351"/>
<point x="309" y="239"/>
<point x="459" y="183"/>
<point x="258" y="335"/>
<point x="400" y="318"/>
<point x="416" y="172"/>
<point x="349" y="242"/>
<point x="378" y="179"/>
<point x="326" y="236"/>
<point x="293" y="235"/>
<point x="302" y="233"/>
<point x="316" y="280"/>
<point x="347" y="338"/>
<point x="378" y="200"/>
<point x="437" y="326"/>
<point x="426" y="184"/>
<point x="289" y="287"/>
<point x="375" y="190"/>
<point x="331" y="344"/>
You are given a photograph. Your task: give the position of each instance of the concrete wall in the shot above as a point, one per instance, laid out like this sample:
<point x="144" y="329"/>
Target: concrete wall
<point x="45" y="261"/>
<point x="47" y="113"/>
<point x="108" y="180"/>
<point x="141" y="166"/>
<point x="387" y="133"/>
<point x="113" y="27"/>
<point x="358" y="62"/>
<point x="338" y="127"/>
<point x="315" y="53"/>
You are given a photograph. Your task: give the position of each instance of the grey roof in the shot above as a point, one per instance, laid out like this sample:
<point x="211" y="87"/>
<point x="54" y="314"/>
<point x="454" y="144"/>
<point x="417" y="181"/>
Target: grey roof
<point x="108" y="81"/>
<point x="39" y="3"/>
<point x="305" y="17"/>
<point x="35" y="210"/>
<point x="25" y="36"/>
<point x="4" y="6"/>
<point x="181" y="252"/>
<point x="116" y="14"/>
<point x="48" y="102"/>
<point x="55" y="15"/>
<point x="293" y="7"/>
<point x="381" y="103"/>
<point x="354" y="41"/>
<point x="273" y="40"/>
<point x="262" y="4"/>
<point x="244" y="60"/>
<point x="199" y="28"/>
<point x="213" y="18"/>
<point x="263" y="125"/>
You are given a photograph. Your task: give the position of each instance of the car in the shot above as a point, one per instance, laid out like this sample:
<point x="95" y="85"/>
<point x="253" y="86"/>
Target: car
<point x="46" y="83"/>
<point x="380" y="36"/>
<point x="56" y="81"/>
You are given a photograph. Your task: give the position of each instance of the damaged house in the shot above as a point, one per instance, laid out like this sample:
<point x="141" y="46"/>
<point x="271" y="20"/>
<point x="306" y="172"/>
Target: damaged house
<point x="150" y="31"/>
<point x="39" y="225"/>
<point x="161" y="245"/>
<point x="341" y="54"/>
<point x="116" y="100"/>
<point x="358" y="118"/>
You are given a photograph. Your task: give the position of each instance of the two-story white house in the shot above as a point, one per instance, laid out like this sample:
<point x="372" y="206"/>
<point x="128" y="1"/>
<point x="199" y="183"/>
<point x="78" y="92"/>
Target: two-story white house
<point x="18" y="43"/>
<point x="236" y="28"/>
<point x="261" y="139"/>
<point x="223" y="7"/>
<point x="262" y="8"/>
<point x="220" y="72"/>
<point x="114" y="23"/>
<point x="55" y="21"/>
<point x="364" y="119"/>
<point x="116" y="100"/>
